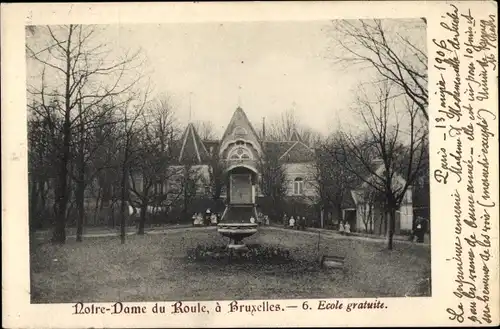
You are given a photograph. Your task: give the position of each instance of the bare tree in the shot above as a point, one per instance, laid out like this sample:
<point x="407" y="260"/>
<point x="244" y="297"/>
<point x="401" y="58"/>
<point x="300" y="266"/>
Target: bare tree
<point x="154" y="159"/>
<point x="286" y="125"/>
<point x="206" y="130"/>
<point x="217" y="175"/>
<point x="282" y="128"/>
<point x="131" y="129"/>
<point x="273" y="180"/>
<point x="396" y="136"/>
<point x="191" y="178"/>
<point x="331" y="178"/>
<point x="395" y="55"/>
<point x="43" y="139"/>
<point x="80" y="73"/>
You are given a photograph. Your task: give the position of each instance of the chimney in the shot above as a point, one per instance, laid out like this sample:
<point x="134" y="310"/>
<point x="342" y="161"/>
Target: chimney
<point x="263" y="128"/>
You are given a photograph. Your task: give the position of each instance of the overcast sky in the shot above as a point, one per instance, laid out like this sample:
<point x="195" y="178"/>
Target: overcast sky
<point x="267" y="67"/>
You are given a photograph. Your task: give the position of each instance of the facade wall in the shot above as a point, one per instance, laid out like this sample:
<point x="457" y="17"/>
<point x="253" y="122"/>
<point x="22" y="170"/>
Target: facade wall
<point x="303" y="171"/>
<point x="404" y="215"/>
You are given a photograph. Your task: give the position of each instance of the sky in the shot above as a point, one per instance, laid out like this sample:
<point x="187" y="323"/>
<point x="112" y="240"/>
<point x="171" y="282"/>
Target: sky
<point x="264" y="67"/>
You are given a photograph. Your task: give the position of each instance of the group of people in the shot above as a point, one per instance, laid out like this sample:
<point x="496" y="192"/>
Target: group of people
<point x="205" y="220"/>
<point x="211" y="218"/>
<point x="261" y="219"/>
<point x="296" y="222"/>
<point x="345" y="228"/>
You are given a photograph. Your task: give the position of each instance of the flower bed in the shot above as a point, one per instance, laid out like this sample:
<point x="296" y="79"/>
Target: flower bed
<point x="256" y="254"/>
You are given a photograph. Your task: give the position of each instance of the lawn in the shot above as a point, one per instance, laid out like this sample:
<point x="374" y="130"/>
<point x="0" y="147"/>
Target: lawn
<point x="155" y="267"/>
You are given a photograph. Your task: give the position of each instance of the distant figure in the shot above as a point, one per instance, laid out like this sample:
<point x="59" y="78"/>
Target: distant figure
<point x="207" y="216"/>
<point x="419" y="230"/>
<point x="213" y="219"/>
<point x="252" y="220"/>
<point x="341" y="228"/>
<point x="285" y="220"/>
<point x="292" y="222"/>
<point x="259" y="218"/>
<point x="266" y="220"/>
<point x="197" y="220"/>
<point x="347" y="228"/>
<point x="303" y="226"/>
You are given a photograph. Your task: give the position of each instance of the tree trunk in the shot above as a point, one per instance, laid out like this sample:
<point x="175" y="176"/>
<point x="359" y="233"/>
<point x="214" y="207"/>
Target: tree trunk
<point x="43" y="213"/>
<point x="61" y="200"/>
<point x="392" y="227"/>
<point x="97" y="203"/>
<point x="339" y="213"/>
<point x="33" y="217"/>
<point x="123" y="204"/>
<point x="142" y="219"/>
<point x="80" y="187"/>
<point x="112" y="209"/>
<point x="386" y="220"/>
<point x="80" y="202"/>
<point x="186" y="201"/>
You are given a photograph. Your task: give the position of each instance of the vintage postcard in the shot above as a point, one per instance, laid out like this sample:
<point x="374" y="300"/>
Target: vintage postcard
<point x="284" y="164"/>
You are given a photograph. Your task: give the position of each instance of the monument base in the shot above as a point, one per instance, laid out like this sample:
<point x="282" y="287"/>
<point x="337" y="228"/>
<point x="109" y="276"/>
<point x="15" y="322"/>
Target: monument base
<point x="237" y="247"/>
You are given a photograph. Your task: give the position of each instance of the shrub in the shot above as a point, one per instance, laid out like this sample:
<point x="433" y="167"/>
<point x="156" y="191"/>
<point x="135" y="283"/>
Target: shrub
<point x="256" y="254"/>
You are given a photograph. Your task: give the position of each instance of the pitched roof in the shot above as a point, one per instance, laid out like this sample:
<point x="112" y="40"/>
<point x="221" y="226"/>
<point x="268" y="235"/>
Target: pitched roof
<point x="397" y="180"/>
<point x="295" y="137"/>
<point x="276" y="149"/>
<point x="191" y="148"/>
<point x="211" y="145"/>
<point x="289" y="151"/>
<point x="348" y="201"/>
<point x="240" y="120"/>
<point x="297" y="153"/>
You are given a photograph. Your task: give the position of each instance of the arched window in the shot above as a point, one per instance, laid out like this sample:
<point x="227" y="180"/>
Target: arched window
<point x="239" y="131"/>
<point x="240" y="153"/>
<point x="298" y="186"/>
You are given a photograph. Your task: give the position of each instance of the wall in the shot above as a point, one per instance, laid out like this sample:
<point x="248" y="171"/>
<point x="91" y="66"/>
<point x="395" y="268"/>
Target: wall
<point x="304" y="171"/>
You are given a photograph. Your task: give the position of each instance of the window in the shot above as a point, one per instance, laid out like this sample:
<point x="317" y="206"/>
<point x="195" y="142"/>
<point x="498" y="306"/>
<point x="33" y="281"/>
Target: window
<point x="239" y="131"/>
<point x="298" y="186"/>
<point x="158" y="188"/>
<point x="240" y="153"/>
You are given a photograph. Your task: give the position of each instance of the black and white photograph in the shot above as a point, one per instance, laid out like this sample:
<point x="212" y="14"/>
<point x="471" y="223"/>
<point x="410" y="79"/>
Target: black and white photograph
<point x="228" y="161"/>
